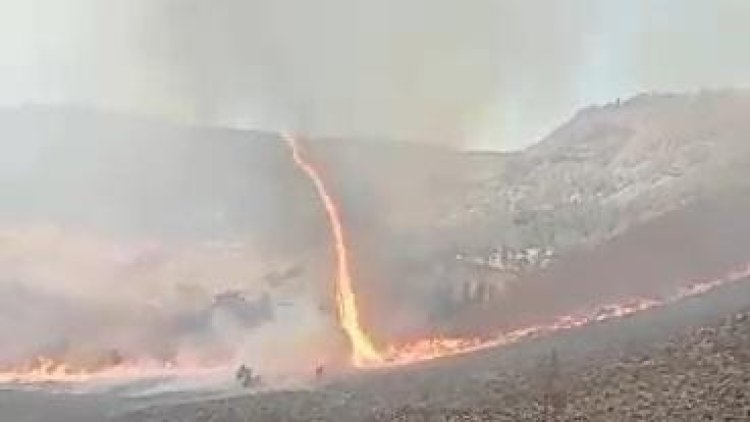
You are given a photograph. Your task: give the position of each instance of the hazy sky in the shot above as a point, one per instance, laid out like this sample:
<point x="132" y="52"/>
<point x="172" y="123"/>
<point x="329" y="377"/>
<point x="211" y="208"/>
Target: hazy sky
<point x="478" y="73"/>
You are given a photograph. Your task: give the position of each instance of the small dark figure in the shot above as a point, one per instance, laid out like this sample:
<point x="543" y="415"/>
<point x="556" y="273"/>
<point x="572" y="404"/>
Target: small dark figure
<point x="246" y="377"/>
<point x="242" y="372"/>
<point x="319" y="372"/>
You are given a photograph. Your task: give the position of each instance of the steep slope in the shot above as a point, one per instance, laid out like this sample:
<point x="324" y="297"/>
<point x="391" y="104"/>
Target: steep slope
<point x="613" y="166"/>
<point x="632" y="198"/>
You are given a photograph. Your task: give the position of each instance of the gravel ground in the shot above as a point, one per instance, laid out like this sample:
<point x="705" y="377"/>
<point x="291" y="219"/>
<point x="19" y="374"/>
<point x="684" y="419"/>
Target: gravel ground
<point x="688" y="362"/>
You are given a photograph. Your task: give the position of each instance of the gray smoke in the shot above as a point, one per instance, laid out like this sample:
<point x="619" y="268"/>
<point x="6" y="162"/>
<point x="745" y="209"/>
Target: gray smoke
<point x="482" y="74"/>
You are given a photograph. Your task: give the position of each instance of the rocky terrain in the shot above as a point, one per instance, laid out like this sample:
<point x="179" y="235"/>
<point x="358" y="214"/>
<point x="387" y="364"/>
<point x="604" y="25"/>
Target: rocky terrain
<point x="613" y="166"/>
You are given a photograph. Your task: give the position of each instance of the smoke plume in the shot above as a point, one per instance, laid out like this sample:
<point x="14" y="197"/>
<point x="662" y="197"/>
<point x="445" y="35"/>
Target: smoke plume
<point x="482" y="74"/>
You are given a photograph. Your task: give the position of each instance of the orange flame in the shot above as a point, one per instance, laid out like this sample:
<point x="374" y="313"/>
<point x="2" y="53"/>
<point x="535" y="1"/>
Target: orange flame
<point x="47" y="370"/>
<point x="43" y="369"/>
<point x="363" y="350"/>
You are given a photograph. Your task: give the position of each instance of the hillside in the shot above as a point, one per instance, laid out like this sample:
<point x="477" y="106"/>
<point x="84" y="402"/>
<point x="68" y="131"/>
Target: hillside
<point x="612" y="166"/>
<point x="635" y="198"/>
<point x="673" y="168"/>
<point x="607" y="168"/>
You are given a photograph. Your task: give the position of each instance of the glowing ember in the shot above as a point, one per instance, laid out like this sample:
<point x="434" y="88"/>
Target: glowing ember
<point x="363" y="350"/>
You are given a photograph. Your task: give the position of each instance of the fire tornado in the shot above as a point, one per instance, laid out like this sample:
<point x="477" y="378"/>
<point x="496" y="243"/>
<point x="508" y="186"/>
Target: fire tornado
<point x="365" y="354"/>
<point x="363" y="350"/>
